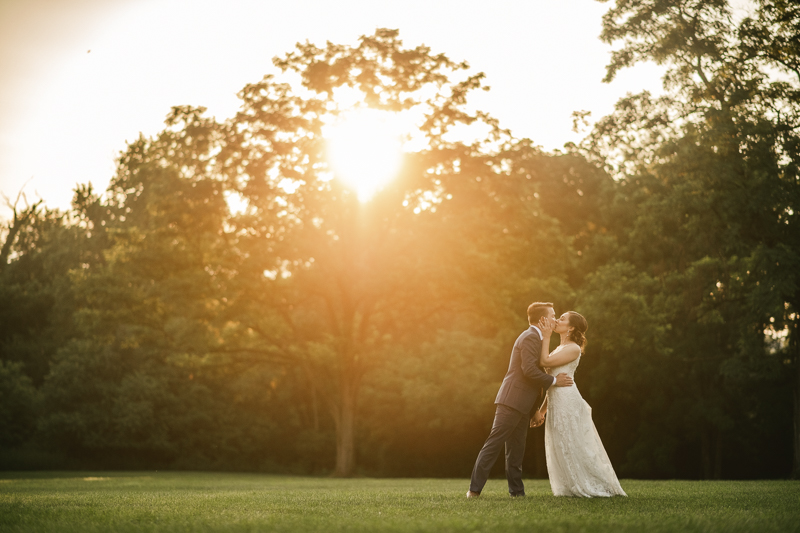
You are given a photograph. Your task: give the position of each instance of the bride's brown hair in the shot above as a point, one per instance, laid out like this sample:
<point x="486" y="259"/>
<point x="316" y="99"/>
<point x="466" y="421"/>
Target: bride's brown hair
<point x="579" y="325"/>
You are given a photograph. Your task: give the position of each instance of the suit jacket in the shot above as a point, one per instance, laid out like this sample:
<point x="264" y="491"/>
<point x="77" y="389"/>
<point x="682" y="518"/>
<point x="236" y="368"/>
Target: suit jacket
<point x="525" y="382"/>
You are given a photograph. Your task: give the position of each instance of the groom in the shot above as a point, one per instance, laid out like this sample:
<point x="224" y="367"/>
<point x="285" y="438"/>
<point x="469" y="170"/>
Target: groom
<point x="523" y="389"/>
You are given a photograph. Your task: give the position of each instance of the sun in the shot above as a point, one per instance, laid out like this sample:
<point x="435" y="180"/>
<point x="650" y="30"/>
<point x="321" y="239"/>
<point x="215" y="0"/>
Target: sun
<point x="365" y="149"/>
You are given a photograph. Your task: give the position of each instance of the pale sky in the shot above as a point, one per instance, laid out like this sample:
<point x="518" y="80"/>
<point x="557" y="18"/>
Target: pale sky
<point x="82" y="77"/>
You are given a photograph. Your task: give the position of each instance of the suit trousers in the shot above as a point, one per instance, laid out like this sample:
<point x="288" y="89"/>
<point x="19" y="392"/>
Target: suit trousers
<point x="510" y="427"/>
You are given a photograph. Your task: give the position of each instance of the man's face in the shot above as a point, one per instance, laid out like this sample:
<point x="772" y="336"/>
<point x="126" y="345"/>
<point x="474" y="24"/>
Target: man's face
<point x="551" y="315"/>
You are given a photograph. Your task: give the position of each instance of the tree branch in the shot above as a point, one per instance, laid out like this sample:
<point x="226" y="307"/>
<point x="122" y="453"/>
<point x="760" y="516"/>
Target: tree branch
<point x="19" y="220"/>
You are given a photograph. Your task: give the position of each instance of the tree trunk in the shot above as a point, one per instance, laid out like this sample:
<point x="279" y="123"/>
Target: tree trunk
<point x="712" y="453"/>
<point x="794" y="354"/>
<point x="796" y="467"/>
<point x="345" y="430"/>
<point x="314" y="408"/>
<point x="705" y="450"/>
<point x="20" y="219"/>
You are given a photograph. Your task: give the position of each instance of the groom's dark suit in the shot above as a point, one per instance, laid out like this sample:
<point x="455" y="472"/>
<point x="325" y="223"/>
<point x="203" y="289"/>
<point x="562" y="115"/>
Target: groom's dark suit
<point x="523" y="388"/>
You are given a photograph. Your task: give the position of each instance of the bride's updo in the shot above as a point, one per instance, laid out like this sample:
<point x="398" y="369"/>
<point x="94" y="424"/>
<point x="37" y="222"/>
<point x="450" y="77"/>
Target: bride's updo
<point x="578" y="334"/>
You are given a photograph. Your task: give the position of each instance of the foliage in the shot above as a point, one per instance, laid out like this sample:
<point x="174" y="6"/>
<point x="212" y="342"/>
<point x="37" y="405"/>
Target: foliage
<point x="35" y="288"/>
<point x="421" y="424"/>
<point x="342" y="280"/>
<point x="154" y="325"/>
<point x="177" y="302"/>
<point x="17" y="405"/>
<point x="704" y="211"/>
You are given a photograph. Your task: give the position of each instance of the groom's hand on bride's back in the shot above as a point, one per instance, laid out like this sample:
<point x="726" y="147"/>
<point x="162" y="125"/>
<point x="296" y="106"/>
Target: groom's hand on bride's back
<point x="563" y="380"/>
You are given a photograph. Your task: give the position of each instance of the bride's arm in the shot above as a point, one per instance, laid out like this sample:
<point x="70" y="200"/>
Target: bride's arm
<point x="546" y="327"/>
<point x="567" y="354"/>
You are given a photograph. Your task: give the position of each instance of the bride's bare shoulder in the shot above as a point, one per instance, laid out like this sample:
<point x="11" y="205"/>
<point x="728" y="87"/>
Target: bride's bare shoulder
<point x="571" y="351"/>
<point x="572" y="348"/>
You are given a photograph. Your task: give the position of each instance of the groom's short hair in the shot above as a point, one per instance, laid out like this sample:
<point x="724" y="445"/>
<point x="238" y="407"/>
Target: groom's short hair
<point x="537" y="310"/>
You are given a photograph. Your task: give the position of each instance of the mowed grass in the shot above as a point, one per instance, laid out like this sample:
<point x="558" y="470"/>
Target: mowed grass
<point x="179" y="501"/>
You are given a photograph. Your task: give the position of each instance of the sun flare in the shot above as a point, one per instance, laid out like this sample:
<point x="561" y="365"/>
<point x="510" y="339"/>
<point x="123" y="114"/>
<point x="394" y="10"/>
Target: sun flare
<point x="364" y="149"/>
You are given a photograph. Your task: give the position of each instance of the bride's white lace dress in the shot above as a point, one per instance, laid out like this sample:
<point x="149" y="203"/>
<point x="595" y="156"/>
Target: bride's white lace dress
<point x="577" y="463"/>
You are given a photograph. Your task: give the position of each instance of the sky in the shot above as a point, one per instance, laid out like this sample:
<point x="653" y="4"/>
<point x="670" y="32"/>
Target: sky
<point x="81" y="78"/>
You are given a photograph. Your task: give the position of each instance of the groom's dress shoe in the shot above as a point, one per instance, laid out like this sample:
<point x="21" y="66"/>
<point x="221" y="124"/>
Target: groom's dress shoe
<point x="518" y="495"/>
<point x="471" y="494"/>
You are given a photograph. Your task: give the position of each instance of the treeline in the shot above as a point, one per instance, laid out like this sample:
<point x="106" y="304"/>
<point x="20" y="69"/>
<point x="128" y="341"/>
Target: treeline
<point x="152" y="326"/>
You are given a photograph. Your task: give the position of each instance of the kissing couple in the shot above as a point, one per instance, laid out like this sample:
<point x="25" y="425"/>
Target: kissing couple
<point x="538" y="381"/>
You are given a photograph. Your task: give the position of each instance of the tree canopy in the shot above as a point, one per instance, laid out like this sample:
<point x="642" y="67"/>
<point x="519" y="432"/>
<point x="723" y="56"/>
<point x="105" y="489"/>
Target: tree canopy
<point x="230" y="302"/>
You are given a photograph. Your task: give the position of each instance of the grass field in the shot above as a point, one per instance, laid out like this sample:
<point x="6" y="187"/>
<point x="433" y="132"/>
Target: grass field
<point x="178" y="501"/>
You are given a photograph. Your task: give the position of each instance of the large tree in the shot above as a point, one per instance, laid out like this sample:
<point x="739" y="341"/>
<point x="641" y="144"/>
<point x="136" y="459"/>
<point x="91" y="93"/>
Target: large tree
<point x="305" y="283"/>
<point x="705" y="215"/>
<point x="334" y="282"/>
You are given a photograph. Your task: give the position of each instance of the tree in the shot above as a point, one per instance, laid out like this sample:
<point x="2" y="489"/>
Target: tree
<point x="18" y="405"/>
<point x="708" y="181"/>
<point x="18" y="222"/>
<point x="332" y="283"/>
<point x="188" y="318"/>
<point x="40" y="248"/>
<point x="145" y="379"/>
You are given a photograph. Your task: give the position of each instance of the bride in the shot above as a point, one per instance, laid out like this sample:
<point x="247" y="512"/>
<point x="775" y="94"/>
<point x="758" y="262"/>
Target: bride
<point x="577" y="463"/>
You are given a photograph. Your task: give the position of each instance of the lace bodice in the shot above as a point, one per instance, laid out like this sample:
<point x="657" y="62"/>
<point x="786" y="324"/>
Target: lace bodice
<point x="569" y="398"/>
<point x="569" y="368"/>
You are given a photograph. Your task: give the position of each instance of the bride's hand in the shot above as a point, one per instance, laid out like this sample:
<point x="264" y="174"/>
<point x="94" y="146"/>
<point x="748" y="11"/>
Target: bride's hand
<point x="546" y="326"/>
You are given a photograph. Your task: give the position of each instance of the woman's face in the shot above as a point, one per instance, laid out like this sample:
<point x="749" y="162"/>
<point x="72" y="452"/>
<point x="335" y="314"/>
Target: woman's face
<point x="562" y="324"/>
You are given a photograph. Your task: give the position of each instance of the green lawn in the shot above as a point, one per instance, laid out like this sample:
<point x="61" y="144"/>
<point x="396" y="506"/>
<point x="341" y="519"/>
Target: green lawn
<point x="171" y="501"/>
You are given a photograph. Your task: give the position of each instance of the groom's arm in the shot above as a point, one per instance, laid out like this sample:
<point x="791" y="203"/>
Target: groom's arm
<point x="531" y="348"/>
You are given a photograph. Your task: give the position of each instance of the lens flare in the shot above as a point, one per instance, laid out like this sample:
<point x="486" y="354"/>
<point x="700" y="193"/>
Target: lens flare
<point x="364" y="149"/>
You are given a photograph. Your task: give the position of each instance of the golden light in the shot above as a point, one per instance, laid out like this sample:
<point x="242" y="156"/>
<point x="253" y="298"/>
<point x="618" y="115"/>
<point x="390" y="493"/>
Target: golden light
<point x="364" y="149"/>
